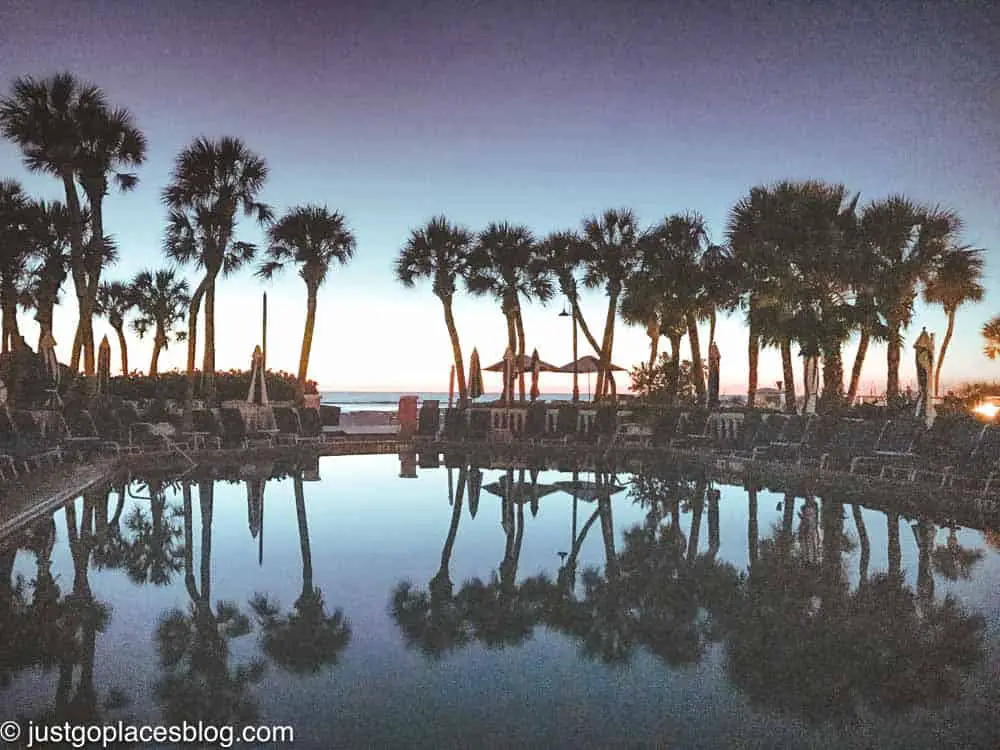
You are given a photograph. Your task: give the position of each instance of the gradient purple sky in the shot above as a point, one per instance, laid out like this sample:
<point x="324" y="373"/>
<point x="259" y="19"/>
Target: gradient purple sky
<point x="540" y="113"/>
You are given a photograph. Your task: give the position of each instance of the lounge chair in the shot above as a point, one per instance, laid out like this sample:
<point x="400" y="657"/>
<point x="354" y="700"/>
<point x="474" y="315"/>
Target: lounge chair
<point x="939" y="451"/>
<point x="311" y="421"/>
<point x="429" y="419"/>
<point x="981" y="469"/>
<point x="455" y="426"/>
<point x="289" y="427"/>
<point x="695" y="427"/>
<point x="665" y="427"/>
<point x="80" y="434"/>
<point x="205" y="430"/>
<point x="790" y="438"/>
<point x="896" y="441"/>
<point x="479" y="424"/>
<point x="235" y="433"/>
<point x="30" y="447"/>
<point x="852" y="437"/>
<point x="758" y="443"/>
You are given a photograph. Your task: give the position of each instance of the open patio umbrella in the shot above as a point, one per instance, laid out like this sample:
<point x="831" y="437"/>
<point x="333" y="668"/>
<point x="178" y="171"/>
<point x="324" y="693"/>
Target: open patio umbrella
<point x="524" y="362"/>
<point x="103" y="366"/>
<point x="536" y="368"/>
<point x="475" y="376"/>
<point x="588" y="491"/>
<point x="588" y="364"/>
<point x="519" y="492"/>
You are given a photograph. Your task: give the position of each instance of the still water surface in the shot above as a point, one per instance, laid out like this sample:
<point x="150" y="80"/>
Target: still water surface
<point x="365" y="609"/>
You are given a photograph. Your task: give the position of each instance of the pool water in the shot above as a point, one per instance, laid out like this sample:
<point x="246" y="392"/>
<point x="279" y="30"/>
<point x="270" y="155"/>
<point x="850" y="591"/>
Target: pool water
<point x="367" y="609"/>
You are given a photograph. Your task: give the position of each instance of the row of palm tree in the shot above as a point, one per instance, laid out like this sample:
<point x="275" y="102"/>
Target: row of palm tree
<point x="68" y="129"/>
<point x="803" y="260"/>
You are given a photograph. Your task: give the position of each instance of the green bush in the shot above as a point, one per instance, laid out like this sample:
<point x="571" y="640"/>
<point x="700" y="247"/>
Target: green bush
<point x="232" y="385"/>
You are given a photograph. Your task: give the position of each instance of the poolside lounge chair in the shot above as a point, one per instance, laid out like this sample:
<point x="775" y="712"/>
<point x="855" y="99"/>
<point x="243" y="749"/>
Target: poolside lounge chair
<point x="30" y="447"/>
<point x="694" y="427"/>
<point x="455" y="426"/>
<point x="852" y="437"/>
<point x="896" y="441"/>
<point x="429" y="420"/>
<point x="758" y="443"/>
<point x="789" y="440"/>
<point x="981" y="469"/>
<point x="290" y="427"/>
<point x="479" y="424"/>
<point x="311" y="421"/>
<point x="205" y="430"/>
<point x="235" y="433"/>
<point x="80" y="434"/>
<point x="947" y="446"/>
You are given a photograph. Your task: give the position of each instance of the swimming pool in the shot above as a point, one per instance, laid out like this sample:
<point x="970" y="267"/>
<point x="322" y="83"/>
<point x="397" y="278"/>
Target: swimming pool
<point x="500" y="607"/>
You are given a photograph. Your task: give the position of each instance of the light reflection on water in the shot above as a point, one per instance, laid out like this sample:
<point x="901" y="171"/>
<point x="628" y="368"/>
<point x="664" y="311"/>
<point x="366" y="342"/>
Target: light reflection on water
<point x="392" y="617"/>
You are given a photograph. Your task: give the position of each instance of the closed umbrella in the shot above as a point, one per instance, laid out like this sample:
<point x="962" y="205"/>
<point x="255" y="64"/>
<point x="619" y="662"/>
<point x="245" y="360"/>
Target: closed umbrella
<point x="475" y="376"/>
<point x="103" y="366"/>
<point x="257" y="395"/>
<point x="475" y="487"/>
<point x="50" y="368"/>
<point x="536" y="365"/>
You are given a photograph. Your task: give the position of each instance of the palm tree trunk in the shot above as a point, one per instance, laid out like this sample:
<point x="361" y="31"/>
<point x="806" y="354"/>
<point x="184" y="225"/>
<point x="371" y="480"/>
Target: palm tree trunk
<point x="449" y="542"/>
<point x="753" y="356"/>
<point x="859" y="361"/>
<point x="833" y="377"/>
<point x="520" y="346"/>
<point x="305" y="548"/>
<point x="788" y="373"/>
<point x="866" y="547"/>
<point x="307" y="339"/>
<point x="944" y="347"/>
<point x="189" y="582"/>
<point x="77" y="267"/>
<point x="712" y="316"/>
<point x="608" y="536"/>
<point x="206" y="498"/>
<point x="44" y="316"/>
<point x="606" y="344"/>
<point x="653" y="331"/>
<point x="697" y="372"/>
<point x="753" y="528"/>
<point x="158" y="341"/>
<point x="714" y="541"/>
<point x="8" y="305"/>
<point x="192" y="344"/>
<point x="456" y="350"/>
<point x="892" y="360"/>
<point x="124" y="347"/>
<point x="895" y="553"/>
<point x="673" y="377"/>
<point x="697" y="510"/>
<point x="584" y="328"/>
<point x="208" y="361"/>
<point x="93" y="265"/>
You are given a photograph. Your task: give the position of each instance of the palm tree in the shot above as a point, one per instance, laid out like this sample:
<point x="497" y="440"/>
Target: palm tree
<point x="991" y="335"/>
<point x="114" y="301"/>
<point x="15" y="226"/>
<point x="211" y="181"/>
<point x="111" y="144"/>
<point x="509" y="265"/>
<point x="315" y="239"/>
<point x="66" y="128"/>
<point x="721" y="282"/>
<point x="50" y="246"/>
<point x="439" y="251"/>
<point x="954" y="281"/>
<point x="161" y="300"/>
<point x="609" y="255"/>
<point x="907" y="240"/>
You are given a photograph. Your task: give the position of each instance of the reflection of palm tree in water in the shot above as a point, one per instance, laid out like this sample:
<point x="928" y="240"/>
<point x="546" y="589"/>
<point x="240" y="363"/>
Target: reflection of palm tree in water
<point x="954" y="561"/>
<point x="197" y="683"/>
<point x="306" y="639"/>
<point x="432" y="620"/>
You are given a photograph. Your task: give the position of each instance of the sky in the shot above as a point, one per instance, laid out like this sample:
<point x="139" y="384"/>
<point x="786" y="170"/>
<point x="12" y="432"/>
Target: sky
<point x="540" y="113"/>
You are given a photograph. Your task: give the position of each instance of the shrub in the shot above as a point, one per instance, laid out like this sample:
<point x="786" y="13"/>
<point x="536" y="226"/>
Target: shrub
<point x="231" y="385"/>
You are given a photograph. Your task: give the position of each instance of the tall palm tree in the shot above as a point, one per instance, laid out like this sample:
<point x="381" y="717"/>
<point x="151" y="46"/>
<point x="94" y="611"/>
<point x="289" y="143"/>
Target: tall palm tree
<point x="15" y="248"/>
<point x="720" y="276"/>
<point x="991" y="335"/>
<point x="210" y="183"/>
<point x="111" y="144"/>
<point x="562" y="252"/>
<point x="50" y="250"/>
<point x="315" y="239"/>
<point x="907" y="240"/>
<point x="954" y="281"/>
<point x="161" y="300"/>
<point x="439" y="251"/>
<point x="509" y="265"/>
<point x="114" y="301"/>
<point x="66" y="128"/>
<point x="609" y="255"/>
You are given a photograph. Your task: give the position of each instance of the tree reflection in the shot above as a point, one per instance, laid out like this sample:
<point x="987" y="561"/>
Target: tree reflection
<point x="306" y="639"/>
<point x="197" y="683"/>
<point x="954" y="561"/>
<point x="152" y="547"/>
<point x="803" y="642"/>
<point x="432" y="620"/>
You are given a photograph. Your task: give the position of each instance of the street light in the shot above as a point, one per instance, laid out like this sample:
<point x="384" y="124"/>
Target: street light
<point x="576" y="375"/>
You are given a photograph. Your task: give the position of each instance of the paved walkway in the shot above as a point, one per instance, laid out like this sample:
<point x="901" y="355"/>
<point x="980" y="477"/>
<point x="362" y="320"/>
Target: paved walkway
<point x="45" y="489"/>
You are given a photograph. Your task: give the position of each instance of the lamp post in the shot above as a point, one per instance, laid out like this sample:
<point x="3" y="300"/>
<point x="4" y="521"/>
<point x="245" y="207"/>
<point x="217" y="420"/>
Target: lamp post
<point x="576" y="375"/>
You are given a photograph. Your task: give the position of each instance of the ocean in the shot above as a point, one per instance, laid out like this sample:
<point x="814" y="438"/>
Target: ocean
<point x="389" y="400"/>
